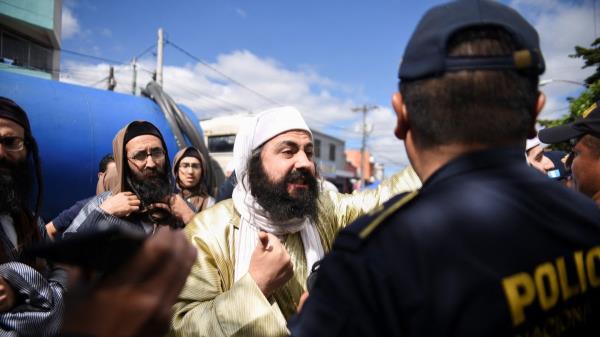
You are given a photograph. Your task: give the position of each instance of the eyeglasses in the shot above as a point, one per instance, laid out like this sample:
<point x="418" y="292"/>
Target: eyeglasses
<point x="12" y="143"/>
<point x="156" y="153"/>
<point x="194" y="166"/>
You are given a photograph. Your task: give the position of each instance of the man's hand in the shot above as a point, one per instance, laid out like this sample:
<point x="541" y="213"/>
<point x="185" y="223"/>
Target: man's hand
<point x="7" y="296"/>
<point x="180" y="208"/>
<point x="121" y="204"/>
<point x="51" y="230"/>
<point x="270" y="264"/>
<point x="137" y="299"/>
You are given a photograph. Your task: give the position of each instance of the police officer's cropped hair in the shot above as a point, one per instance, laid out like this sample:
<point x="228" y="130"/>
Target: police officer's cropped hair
<point x="472" y="106"/>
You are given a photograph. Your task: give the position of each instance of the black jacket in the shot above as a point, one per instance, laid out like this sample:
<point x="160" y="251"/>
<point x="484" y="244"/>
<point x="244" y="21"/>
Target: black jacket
<point x="487" y="247"/>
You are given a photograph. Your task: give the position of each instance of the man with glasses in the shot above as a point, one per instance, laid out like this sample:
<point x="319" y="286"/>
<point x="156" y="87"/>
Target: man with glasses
<point x="143" y="197"/>
<point x="584" y="136"/>
<point x="31" y="292"/>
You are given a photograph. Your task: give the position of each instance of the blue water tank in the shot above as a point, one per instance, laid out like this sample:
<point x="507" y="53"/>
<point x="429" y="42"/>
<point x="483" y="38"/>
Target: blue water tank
<point x="74" y="127"/>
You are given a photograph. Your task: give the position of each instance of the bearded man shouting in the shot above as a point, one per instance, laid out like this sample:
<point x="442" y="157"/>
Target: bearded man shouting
<point x="256" y="250"/>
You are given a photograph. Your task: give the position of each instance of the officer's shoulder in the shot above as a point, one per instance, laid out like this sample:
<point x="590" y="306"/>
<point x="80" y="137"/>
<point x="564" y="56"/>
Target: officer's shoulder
<point x="357" y="233"/>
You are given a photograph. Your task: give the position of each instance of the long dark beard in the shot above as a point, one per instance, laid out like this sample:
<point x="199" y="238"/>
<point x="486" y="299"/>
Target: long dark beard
<point x="15" y="186"/>
<point x="275" y="198"/>
<point x="151" y="189"/>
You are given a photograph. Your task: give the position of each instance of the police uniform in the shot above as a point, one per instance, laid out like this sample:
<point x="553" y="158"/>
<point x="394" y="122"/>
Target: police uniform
<point x="487" y="247"/>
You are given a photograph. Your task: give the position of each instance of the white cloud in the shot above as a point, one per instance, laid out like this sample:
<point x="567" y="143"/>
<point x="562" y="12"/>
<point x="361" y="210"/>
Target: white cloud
<point x="242" y="13"/>
<point x="326" y="103"/>
<point x="561" y="26"/>
<point x="106" y="32"/>
<point x="323" y="102"/>
<point x="70" y="24"/>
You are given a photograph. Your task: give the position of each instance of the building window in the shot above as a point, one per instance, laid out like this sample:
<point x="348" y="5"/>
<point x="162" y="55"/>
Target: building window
<point x="222" y="143"/>
<point x="332" y="152"/>
<point x="21" y="52"/>
<point x="317" y="148"/>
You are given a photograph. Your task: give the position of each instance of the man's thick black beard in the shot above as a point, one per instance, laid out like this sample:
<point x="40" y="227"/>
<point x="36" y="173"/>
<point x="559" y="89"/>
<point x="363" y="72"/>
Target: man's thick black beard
<point x="274" y="196"/>
<point x="152" y="189"/>
<point x="15" y="186"/>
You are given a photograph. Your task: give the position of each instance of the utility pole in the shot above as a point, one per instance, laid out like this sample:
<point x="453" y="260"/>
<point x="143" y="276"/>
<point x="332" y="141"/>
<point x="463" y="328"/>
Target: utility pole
<point x="159" y="57"/>
<point x="363" y="150"/>
<point x="134" y="80"/>
<point x="112" y="83"/>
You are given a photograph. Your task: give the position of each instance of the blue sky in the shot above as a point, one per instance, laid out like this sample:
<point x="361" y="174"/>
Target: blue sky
<point x="323" y="56"/>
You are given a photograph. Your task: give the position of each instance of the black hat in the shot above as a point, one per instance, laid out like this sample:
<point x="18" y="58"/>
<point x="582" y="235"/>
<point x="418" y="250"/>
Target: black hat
<point x="589" y="123"/>
<point x="426" y="54"/>
<point x="9" y="109"/>
<point x="139" y="128"/>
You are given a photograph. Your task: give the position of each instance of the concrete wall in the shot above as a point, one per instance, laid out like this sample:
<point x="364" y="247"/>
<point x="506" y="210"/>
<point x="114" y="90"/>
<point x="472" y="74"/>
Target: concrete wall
<point x="35" y="12"/>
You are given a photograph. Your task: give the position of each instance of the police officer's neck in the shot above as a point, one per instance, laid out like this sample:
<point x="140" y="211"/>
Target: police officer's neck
<point x="427" y="161"/>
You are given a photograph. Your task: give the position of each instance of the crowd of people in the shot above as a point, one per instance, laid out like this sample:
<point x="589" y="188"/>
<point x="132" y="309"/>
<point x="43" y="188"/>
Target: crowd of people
<point x="486" y="233"/>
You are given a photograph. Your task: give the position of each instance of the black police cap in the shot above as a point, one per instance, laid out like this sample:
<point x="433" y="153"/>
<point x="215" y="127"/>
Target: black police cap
<point x="589" y="123"/>
<point x="426" y="53"/>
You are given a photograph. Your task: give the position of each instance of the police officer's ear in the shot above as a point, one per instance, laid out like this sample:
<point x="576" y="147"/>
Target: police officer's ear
<point x="539" y="105"/>
<point x="402" y="116"/>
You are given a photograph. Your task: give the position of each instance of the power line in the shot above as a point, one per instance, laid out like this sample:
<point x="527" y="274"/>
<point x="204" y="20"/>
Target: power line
<point x="93" y="57"/>
<point x="364" y="110"/>
<point x="222" y="74"/>
<point x="98" y="82"/>
<point x="146" y="51"/>
<point x="103" y="59"/>
<point x="189" y="91"/>
<point x="387" y="159"/>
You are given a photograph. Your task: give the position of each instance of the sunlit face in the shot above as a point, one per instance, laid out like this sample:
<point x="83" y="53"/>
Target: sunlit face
<point x="585" y="168"/>
<point x="149" y="166"/>
<point x="292" y="150"/>
<point x="537" y="160"/>
<point x="189" y="172"/>
<point x="10" y="129"/>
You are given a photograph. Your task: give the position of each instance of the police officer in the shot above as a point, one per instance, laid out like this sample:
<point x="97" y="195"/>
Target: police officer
<point x="487" y="247"/>
<point x="584" y="136"/>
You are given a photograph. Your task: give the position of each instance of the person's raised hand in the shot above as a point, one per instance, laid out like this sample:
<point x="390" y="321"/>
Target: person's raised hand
<point x="121" y="204"/>
<point x="270" y="264"/>
<point x="180" y="208"/>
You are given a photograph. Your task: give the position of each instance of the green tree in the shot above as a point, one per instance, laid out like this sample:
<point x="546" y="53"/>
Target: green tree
<point x="591" y="56"/>
<point x="578" y="105"/>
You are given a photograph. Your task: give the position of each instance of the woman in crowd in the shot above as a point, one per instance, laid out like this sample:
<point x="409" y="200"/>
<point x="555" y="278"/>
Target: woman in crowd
<point x="189" y="168"/>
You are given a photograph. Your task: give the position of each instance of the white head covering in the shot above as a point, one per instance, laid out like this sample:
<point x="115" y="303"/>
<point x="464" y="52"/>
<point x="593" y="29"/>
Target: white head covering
<point x="254" y="218"/>
<point x="260" y="129"/>
<point x="531" y="143"/>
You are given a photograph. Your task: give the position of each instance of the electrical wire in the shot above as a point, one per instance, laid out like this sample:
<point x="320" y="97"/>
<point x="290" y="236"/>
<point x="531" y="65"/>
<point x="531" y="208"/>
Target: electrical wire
<point x="146" y="51"/>
<point x="184" y="129"/>
<point x="93" y="57"/>
<point x="193" y="93"/>
<point x="98" y="82"/>
<point x="197" y="59"/>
